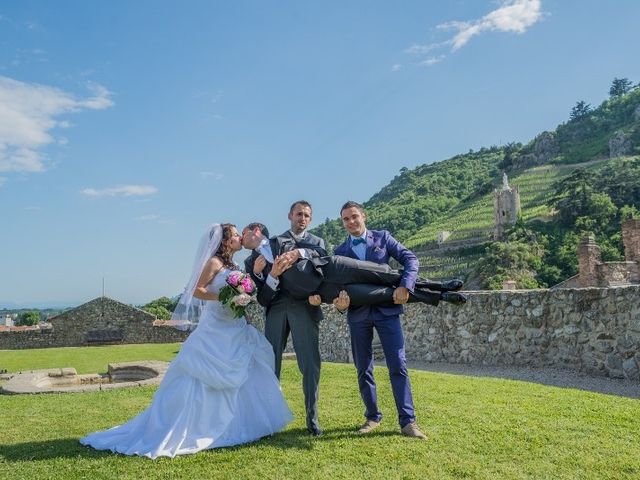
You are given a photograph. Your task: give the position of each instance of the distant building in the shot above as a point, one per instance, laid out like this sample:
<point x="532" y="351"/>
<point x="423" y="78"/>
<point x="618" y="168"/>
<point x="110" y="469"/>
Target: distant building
<point x="593" y="272"/>
<point x="506" y="207"/>
<point x="8" y="319"/>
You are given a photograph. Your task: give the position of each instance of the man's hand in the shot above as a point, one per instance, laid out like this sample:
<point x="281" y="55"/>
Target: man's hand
<point x="400" y="295"/>
<point x="280" y="265"/>
<point x="342" y="301"/>
<point x="315" y="300"/>
<point x="259" y="265"/>
<point x="292" y="257"/>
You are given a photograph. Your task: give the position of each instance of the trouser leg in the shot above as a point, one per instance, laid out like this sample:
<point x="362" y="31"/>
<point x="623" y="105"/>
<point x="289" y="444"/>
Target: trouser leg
<point x="276" y="329"/>
<point x="305" y="335"/>
<point x="367" y="294"/>
<point x="390" y="333"/>
<point x="345" y="270"/>
<point x="361" y="338"/>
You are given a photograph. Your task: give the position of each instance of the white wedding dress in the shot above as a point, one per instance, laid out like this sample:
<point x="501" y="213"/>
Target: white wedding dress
<point x="219" y="391"/>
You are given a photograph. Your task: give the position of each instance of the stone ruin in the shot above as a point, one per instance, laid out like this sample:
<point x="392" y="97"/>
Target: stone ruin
<point x="507" y="207"/>
<point x="593" y="272"/>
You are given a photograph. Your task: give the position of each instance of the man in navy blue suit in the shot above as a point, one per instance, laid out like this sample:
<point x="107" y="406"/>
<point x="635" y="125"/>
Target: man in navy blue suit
<point x="379" y="247"/>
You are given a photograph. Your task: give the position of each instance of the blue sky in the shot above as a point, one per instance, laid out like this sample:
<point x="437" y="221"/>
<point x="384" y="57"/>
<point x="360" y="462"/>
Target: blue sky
<point x="127" y="127"/>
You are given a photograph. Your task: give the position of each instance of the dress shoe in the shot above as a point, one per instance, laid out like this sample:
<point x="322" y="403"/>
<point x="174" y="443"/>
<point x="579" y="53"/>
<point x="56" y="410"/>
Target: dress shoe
<point x="315" y="430"/>
<point x="412" y="430"/>
<point x="452" y="285"/>
<point x="453" y="297"/>
<point x="446" y="286"/>
<point x="368" y="427"/>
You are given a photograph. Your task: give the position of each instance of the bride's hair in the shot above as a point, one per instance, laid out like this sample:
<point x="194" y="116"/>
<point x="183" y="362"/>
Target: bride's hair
<point x="224" y="253"/>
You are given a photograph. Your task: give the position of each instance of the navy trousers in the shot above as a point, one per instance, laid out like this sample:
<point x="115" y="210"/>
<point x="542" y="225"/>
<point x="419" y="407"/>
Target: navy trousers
<point x="390" y="332"/>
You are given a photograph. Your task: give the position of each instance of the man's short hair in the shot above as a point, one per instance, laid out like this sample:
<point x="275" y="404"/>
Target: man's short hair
<point x="351" y="204"/>
<point x="304" y="203"/>
<point x="263" y="229"/>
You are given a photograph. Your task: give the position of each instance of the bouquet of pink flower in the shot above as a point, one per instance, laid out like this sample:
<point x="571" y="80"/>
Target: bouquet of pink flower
<point x="236" y="294"/>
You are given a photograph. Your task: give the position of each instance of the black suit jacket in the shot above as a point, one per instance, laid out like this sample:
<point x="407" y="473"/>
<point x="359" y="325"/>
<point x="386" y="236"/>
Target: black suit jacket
<point x="298" y="281"/>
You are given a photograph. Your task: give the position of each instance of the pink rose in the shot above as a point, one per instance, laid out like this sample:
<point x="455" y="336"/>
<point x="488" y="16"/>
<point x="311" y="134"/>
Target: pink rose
<point x="242" y="300"/>
<point x="247" y="285"/>
<point x="234" y="278"/>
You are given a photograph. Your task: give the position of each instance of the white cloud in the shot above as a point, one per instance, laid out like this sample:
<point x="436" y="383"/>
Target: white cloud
<point x="432" y="60"/>
<point x="214" y="175"/>
<point x="416" y="49"/>
<point x="514" y="16"/>
<point x="396" y="67"/>
<point x="120" y="191"/>
<point x="28" y="114"/>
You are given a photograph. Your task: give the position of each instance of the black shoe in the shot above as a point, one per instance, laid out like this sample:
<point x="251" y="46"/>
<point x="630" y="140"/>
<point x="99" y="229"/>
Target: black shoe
<point x="453" y="297"/>
<point x="447" y="286"/>
<point x="314" y="430"/>
<point x="452" y="285"/>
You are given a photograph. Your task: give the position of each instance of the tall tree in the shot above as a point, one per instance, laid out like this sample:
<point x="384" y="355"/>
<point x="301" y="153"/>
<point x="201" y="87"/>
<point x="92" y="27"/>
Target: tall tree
<point x="619" y="87"/>
<point x="31" y="317"/>
<point x="580" y="110"/>
<point x="571" y="196"/>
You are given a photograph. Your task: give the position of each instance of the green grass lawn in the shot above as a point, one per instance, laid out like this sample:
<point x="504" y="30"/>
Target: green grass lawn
<point x="477" y="428"/>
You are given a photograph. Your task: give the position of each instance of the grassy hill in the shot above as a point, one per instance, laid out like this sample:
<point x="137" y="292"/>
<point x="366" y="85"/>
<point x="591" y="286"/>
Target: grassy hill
<point x="456" y="195"/>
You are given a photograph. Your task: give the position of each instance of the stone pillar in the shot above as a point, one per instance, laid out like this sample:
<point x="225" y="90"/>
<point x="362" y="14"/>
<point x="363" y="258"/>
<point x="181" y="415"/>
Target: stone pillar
<point x="631" y="240"/>
<point x="506" y="204"/>
<point x="509" y="285"/>
<point x="588" y="261"/>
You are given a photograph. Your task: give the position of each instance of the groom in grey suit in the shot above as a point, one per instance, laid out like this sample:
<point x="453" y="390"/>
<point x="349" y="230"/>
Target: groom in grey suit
<point x="285" y="314"/>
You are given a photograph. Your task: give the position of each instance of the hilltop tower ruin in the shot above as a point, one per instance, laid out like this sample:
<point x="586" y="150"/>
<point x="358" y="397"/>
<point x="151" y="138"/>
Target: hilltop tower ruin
<point x="506" y="207"/>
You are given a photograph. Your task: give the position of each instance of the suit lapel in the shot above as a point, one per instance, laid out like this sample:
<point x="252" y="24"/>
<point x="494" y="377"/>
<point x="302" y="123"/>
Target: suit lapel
<point x="367" y="254"/>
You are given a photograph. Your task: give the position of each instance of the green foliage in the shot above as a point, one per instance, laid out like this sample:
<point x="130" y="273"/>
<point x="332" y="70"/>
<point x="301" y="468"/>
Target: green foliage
<point x="31" y="317"/>
<point x="517" y="259"/>
<point x="581" y="109"/>
<point x="620" y="179"/>
<point x="416" y="197"/>
<point x="159" y="312"/>
<point x="619" y="87"/>
<point x="161" y="307"/>
<point x="628" y="212"/>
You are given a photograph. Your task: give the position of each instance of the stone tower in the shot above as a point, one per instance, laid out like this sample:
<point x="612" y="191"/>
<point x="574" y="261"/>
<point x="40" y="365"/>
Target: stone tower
<point x="506" y="207"/>
<point x="588" y="261"/>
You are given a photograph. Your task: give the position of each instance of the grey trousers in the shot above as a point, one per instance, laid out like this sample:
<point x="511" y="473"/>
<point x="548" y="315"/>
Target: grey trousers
<point x="297" y="317"/>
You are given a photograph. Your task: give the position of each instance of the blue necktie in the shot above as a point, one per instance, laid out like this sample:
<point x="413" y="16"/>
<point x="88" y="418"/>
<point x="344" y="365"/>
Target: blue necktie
<point x="357" y="241"/>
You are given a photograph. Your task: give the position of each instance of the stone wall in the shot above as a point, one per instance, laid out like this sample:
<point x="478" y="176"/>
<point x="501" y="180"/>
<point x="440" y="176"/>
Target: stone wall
<point x="100" y="321"/>
<point x="593" y="330"/>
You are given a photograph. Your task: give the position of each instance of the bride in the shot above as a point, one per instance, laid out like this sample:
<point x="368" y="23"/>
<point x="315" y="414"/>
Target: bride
<point x="220" y="390"/>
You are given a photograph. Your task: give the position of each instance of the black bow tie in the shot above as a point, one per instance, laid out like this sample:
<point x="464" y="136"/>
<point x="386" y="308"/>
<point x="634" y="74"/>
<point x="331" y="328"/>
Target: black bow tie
<point x="357" y="241"/>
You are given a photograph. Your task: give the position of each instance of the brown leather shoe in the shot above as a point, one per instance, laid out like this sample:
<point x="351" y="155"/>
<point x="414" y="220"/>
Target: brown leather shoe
<point x="368" y="427"/>
<point x="412" y="430"/>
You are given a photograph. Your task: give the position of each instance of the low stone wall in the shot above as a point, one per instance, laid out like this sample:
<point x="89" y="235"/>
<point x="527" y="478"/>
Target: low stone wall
<point x="593" y="330"/>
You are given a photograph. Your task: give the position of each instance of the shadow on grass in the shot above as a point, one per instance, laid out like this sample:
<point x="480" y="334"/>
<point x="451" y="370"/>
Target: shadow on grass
<point x="296" y="439"/>
<point x="48" y="449"/>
